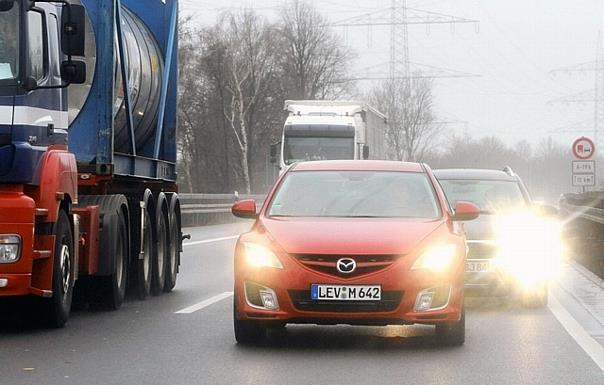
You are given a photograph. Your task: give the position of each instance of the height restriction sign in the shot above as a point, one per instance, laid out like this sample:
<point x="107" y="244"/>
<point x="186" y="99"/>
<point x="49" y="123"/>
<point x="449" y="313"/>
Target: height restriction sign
<point x="583" y="148"/>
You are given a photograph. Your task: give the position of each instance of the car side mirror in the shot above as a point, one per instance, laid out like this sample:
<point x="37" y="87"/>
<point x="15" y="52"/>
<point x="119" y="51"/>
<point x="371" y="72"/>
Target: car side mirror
<point x="466" y="211"/>
<point x="245" y="209"/>
<point x="365" y="152"/>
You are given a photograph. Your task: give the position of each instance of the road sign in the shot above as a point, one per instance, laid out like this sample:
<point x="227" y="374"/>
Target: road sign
<point x="584" y="180"/>
<point x="583" y="148"/>
<point x="584" y="166"/>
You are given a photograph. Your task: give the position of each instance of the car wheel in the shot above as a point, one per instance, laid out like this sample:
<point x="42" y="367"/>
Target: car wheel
<point x="452" y="333"/>
<point x="247" y="332"/>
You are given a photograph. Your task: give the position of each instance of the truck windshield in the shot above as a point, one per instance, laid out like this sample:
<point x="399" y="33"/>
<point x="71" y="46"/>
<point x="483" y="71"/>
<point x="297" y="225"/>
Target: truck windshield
<point x="298" y="149"/>
<point x="9" y="45"/>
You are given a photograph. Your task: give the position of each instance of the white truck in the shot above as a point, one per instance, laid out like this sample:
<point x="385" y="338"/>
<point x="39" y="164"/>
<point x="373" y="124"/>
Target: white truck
<point x="323" y="130"/>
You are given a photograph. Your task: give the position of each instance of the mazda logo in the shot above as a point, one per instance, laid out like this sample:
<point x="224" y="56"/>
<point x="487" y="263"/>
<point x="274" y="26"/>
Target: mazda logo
<point x="346" y="265"/>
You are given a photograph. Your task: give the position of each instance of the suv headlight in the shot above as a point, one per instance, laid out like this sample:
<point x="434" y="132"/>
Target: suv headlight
<point x="10" y="248"/>
<point x="436" y="258"/>
<point x="260" y="256"/>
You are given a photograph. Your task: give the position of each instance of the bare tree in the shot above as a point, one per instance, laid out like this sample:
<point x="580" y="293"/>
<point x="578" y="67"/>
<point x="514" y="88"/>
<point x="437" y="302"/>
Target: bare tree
<point x="249" y="65"/>
<point x="412" y="128"/>
<point x="314" y="60"/>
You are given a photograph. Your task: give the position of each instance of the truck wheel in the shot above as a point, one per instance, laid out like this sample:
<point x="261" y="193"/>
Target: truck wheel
<point x="247" y="332"/>
<point x="158" y="277"/>
<point x="114" y="285"/>
<point x="174" y="242"/>
<point x="62" y="273"/>
<point x="144" y="265"/>
<point x="452" y="333"/>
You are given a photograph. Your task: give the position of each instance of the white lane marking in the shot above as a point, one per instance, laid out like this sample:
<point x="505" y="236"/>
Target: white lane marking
<point x="210" y="240"/>
<point x="205" y="303"/>
<point x="587" y="342"/>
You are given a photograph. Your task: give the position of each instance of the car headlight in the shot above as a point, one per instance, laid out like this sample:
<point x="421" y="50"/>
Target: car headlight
<point x="436" y="258"/>
<point x="529" y="247"/>
<point x="260" y="256"/>
<point x="10" y="247"/>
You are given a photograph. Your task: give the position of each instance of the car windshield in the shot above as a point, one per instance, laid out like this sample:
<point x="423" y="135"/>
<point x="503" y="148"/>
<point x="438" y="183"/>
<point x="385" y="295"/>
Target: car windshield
<point x="490" y="195"/>
<point x="9" y="45"/>
<point x="297" y="149"/>
<point x="355" y="194"/>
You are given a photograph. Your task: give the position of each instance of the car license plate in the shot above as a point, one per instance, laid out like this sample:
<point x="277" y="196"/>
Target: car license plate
<point x="321" y="292"/>
<point x="478" y="266"/>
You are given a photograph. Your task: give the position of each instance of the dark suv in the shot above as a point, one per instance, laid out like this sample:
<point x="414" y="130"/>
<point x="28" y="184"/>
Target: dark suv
<point x="510" y="245"/>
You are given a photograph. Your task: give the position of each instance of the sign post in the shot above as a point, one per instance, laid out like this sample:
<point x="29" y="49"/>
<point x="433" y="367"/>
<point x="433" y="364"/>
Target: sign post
<point x="584" y="169"/>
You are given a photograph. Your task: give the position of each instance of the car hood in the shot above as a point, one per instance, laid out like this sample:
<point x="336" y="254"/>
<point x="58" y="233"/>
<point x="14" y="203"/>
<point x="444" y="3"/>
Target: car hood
<point x="481" y="228"/>
<point x="348" y="236"/>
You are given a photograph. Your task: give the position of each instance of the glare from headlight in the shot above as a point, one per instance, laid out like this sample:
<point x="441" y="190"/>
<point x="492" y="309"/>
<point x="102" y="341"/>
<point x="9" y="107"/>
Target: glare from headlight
<point x="260" y="256"/>
<point x="10" y="246"/>
<point x="436" y="258"/>
<point x="529" y="247"/>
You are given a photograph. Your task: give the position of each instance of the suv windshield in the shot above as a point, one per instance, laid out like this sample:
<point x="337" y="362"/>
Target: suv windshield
<point x="9" y="45"/>
<point x="355" y="194"/>
<point x="489" y="195"/>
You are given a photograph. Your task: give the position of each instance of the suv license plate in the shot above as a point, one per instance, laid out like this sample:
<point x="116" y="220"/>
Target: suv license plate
<point x="320" y="292"/>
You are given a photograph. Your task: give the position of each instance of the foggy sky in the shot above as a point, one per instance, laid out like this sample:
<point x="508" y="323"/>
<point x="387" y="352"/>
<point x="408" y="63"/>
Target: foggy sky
<point x="517" y="45"/>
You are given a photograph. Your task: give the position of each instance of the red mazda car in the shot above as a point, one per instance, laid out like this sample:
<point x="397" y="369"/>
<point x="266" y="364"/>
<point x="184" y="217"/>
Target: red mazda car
<point x="352" y="242"/>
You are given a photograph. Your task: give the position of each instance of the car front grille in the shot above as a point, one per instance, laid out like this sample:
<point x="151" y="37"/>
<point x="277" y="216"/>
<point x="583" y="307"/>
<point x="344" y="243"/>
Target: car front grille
<point x="326" y="263"/>
<point x="481" y="249"/>
<point x="389" y="302"/>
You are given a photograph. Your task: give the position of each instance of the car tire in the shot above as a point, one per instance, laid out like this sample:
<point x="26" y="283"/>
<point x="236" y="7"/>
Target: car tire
<point x="247" y="332"/>
<point x="452" y="333"/>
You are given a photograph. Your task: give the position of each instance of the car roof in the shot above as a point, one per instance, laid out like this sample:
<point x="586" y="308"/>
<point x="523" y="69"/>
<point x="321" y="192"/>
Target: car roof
<point x="357" y="165"/>
<point x="474" y="174"/>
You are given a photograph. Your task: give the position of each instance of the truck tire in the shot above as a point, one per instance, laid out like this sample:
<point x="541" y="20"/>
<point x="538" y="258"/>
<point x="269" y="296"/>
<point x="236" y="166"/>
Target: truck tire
<point x="143" y="266"/>
<point x="174" y="241"/>
<point x="452" y="333"/>
<point x="158" y="276"/>
<point x="114" y="286"/>
<point x="59" y="306"/>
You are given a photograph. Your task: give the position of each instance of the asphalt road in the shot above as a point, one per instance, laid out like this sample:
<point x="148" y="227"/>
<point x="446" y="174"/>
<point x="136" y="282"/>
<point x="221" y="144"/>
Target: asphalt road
<point x="149" y="342"/>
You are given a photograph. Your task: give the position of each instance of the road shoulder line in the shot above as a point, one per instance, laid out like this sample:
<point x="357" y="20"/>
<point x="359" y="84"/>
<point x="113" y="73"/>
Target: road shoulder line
<point x="205" y="303"/>
<point x="593" y="349"/>
<point x="210" y="240"/>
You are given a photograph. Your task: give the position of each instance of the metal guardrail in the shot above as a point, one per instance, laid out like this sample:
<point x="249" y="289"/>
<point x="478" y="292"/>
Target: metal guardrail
<point x="205" y="209"/>
<point x="584" y="228"/>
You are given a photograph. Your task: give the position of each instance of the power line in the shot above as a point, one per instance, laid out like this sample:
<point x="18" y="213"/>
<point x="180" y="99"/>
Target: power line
<point x="398" y="17"/>
<point x="595" y="96"/>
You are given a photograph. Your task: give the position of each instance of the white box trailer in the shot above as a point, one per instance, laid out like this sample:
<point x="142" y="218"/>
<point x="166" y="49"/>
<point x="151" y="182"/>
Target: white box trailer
<point x="325" y="129"/>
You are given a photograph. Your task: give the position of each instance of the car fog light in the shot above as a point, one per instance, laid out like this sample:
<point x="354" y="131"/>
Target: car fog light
<point x="3" y="282"/>
<point x="424" y="300"/>
<point x="269" y="300"/>
<point x="261" y="297"/>
<point x="434" y="298"/>
<point x="10" y="246"/>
